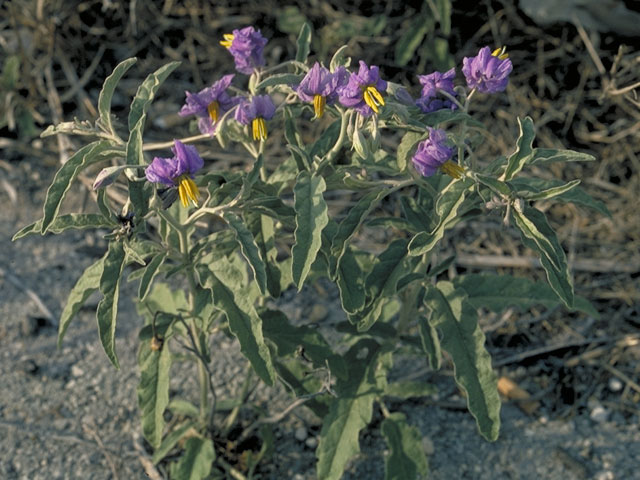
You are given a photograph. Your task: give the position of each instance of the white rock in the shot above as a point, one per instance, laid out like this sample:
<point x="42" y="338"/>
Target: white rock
<point x="76" y="371"/>
<point x="311" y="442"/>
<point x="615" y="385"/>
<point x="301" y="434"/>
<point x="604" y="475"/>
<point x="599" y="414"/>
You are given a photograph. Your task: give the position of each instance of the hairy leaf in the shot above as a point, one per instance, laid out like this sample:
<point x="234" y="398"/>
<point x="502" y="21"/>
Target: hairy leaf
<point x="463" y="339"/>
<point x="303" y="43"/>
<point x="147" y="91"/>
<point x="311" y="218"/>
<point x="106" y="94"/>
<point x="524" y="149"/>
<point x="350" y="283"/>
<point x="150" y="271"/>
<point x="249" y="249"/>
<point x="107" y="312"/>
<point x="65" y="176"/>
<point x="75" y="221"/>
<point x="196" y="462"/>
<point x="153" y="390"/>
<point x="537" y="234"/>
<point x="88" y="283"/>
<point x="407" y="460"/>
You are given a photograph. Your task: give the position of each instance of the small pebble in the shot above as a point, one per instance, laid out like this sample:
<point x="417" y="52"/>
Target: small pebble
<point x="427" y="446"/>
<point x="311" y="442"/>
<point x="615" y="385"/>
<point x="604" y="475"/>
<point x="599" y="414"/>
<point x="301" y="434"/>
<point x="76" y="371"/>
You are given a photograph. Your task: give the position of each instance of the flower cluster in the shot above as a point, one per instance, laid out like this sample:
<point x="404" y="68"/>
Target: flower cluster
<point x="362" y="91"/>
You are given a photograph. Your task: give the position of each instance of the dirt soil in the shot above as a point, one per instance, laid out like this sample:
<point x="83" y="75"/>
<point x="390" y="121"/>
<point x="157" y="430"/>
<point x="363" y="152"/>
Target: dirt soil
<point x="67" y="414"/>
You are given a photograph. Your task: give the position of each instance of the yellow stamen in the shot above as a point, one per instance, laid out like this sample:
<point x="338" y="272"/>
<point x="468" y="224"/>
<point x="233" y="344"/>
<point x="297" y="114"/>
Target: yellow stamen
<point x="319" y="102"/>
<point x="214" y="110"/>
<point x="259" y="127"/>
<point x="187" y="190"/>
<point x="372" y="98"/>
<point x="501" y="53"/>
<point x="452" y="169"/>
<point x="228" y="39"/>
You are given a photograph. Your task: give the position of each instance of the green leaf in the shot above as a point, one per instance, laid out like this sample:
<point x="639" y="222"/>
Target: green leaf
<point x="498" y="187"/>
<point x="444" y="16"/>
<point x="249" y="249"/>
<point x="350" y="283"/>
<point x="10" y="72"/>
<point x="184" y="408"/>
<point x="134" y="153"/>
<point x="357" y="214"/>
<point x="551" y="192"/>
<point x="406" y="147"/>
<point x="411" y="39"/>
<point x="88" y="283"/>
<point x="147" y="91"/>
<point x="68" y="172"/>
<point x="311" y="218"/>
<point x="76" y="221"/>
<point x="289" y="339"/>
<point x="107" y="312"/>
<point x="430" y="343"/>
<point x="546" y="155"/>
<point x="538" y="235"/>
<point x="391" y="266"/>
<point x="150" y="271"/>
<point x="463" y="339"/>
<point x="106" y="94"/>
<point x="171" y="440"/>
<point x="303" y="43"/>
<point x="339" y="60"/>
<point x="524" y="149"/>
<point x="264" y="235"/>
<point x="407" y="460"/>
<point x="245" y="324"/>
<point x="108" y="175"/>
<point x="349" y="413"/>
<point x="196" y="462"/>
<point x="409" y="389"/>
<point x="447" y="207"/>
<point x="499" y="292"/>
<point x="288" y="79"/>
<point x="153" y="390"/>
<point x="326" y="141"/>
<point x="575" y="195"/>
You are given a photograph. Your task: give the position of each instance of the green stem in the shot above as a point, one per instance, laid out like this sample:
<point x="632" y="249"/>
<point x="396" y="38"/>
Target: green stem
<point x="346" y="118"/>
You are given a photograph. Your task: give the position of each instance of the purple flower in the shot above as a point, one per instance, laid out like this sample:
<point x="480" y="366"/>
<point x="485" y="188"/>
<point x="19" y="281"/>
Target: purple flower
<point x="320" y="86"/>
<point x="178" y="171"/>
<point x="362" y="92"/>
<point x="433" y="84"/>
<point x="434" y="153"/>
<point x="209" y="104"/>
<point x="487" y="72"/>
<point x="256" y="111"/>
<point x="246" y="46"/>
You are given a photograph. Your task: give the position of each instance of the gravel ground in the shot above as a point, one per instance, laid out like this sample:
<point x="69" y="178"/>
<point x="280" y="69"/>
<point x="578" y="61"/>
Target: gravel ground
<point x="68" y="414"/>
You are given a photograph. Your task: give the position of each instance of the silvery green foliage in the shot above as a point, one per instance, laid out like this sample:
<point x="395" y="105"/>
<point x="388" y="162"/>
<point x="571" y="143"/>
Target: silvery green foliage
<point x="278" y="233"/>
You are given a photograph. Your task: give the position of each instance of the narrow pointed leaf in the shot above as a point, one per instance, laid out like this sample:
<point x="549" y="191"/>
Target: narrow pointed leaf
<point x="430" y="343"/>
<point x="348" y="414"/>
<point x="350" y="283"/>
<point x="66" y="175"/>
<point x="147" y="91"/>
<point x="499" y="292"/>
<point x="552" y="191"/>
<point x="172" y="439"/>
<point x="537" y="234"/>
<point x="74" y="221"/>
<point x="391" y="266"/>
<point x="249" y="250"/>
<point x="197" y="460"/>
<point x="264" y="235"/>
<point x="106" y="94"/>
<point x="524" y="149"/>
<point x="447" y="207"/>
<point x="150" y="271"/>
<point x="280" y="79"/>
<point x="547" y="155"/>
<point x="246" y="325"/>
<point x="303" y="43"/>
<point x="108" y="307"/>
<point x="463" y="339"/>
<point x="134" y="152"/>
<point x="407" y="460"/>
<point x="311" y="218"/>
<point x="411" y="39"/>
<point x="406" y="147"/>
<point x="88" y="283"/>
<point x="153" y="390"/>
